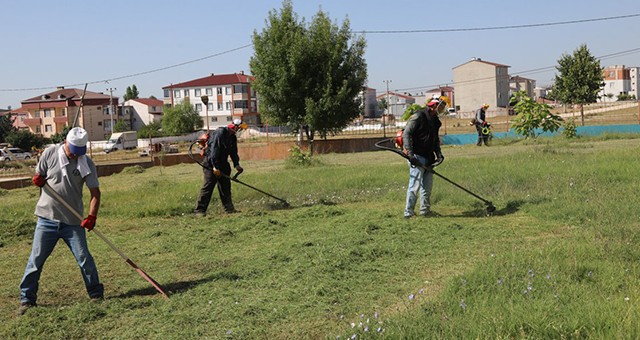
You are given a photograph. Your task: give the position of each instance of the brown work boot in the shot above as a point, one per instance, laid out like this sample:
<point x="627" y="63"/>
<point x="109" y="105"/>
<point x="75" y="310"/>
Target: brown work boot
<point x="24" y="306"/>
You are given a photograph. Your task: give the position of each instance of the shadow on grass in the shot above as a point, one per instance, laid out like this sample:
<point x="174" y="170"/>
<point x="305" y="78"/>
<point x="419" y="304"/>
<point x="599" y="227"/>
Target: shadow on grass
<point x="511" y="208"/>
<point x="178" y="287"/>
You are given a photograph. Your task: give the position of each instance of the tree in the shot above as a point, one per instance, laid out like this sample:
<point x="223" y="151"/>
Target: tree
<point x="150" y="130"/>
<point x="120" y="125"/>
<point x="180" y="119"/>
<point x="308" y="78"/>
<point x="59" y="137"/>
<point x="131" y="93"/>
<point x="533" y="115"/>
<point x="24" y="139"/>
<point x="580" y="79"/>
<point x="6" y="127"/>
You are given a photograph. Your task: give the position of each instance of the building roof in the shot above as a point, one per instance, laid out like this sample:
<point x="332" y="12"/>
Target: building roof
<point x="65" y="94"/>
<point x="391" y="93"/>
<point x="214" y="79"/>
<point x="482" y="61"/>
<point x="441" y="88"/>
<point x="518" y="78"/>
<point x="149" y="101"/>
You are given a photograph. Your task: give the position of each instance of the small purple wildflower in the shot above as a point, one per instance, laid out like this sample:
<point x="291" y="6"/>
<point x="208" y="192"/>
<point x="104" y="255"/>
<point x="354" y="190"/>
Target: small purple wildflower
<point x="548" y="276"/>
<point x="229" y="332"/>
<point x="353" y="337"/>
<point x="375" y="315"/>
<point x="379" y="329"/>
<point x="464" y="282"/>
<point x="463" y="305"/>
<point x="421" y="291"/>
<point x="499" y="281"/>
<point x="589" y="273"/>
<point x="366" y="329"/>
<point x="353" y="325"/>
<point x="361" y="316"/>
<point x="531" y="273"/>
<point x="411" y="297"/>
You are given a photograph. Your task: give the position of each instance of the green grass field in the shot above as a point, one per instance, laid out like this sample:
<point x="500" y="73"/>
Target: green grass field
<point x="558" y="259"/>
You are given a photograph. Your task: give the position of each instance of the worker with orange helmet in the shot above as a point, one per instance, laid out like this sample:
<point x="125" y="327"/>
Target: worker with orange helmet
<point x="481" y="123"/>
<point x="220" y="146"/>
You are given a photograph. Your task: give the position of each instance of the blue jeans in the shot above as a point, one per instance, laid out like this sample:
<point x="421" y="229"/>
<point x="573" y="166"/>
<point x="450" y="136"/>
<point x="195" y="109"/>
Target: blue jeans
<point x="420" y="182"/>
<point x="45" y="237"/>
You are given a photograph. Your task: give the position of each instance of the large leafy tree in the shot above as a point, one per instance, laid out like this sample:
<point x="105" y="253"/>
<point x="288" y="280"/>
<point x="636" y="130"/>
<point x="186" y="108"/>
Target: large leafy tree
<point x="580" y="79"/>
<point x="6" y="127"/>
<point x="131" y="92"/>
<point x="25" y="140"/>
<point x="180" y="119"/>
<point x="308" y="76"/>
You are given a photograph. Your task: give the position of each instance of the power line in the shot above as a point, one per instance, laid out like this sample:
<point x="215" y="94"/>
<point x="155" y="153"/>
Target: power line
<point x="363" y="31"/>
<point x="532" y="71"/>
<point x="445" y="30"/>
<point x="134" y="74"/>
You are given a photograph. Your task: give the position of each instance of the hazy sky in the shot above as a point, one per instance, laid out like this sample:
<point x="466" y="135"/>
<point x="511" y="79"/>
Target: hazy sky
<point x="50" y="43"/>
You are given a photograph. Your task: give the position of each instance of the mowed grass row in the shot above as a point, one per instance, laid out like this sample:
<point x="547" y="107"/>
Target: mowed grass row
<point x="558" y="259"/>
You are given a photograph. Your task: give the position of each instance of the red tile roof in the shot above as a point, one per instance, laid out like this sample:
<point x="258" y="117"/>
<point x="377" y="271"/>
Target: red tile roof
<point x="214" y="79"/>
<point x="149" y="101"/>
<point x="391" y="93"/>
<point x="66" y="94"/>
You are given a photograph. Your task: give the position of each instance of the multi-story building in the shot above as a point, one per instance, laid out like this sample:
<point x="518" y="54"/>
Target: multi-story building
<point x="142" y="111"/>
<point x="617" y="81"/>
<point x="634" y="76"/>
<point x="519" y="83"/>
<point x="49" y="113"/>
<point x="478" y="82"/>
<point x="229" y="96"/>
<point x="369" y="102"/>
<point x="397" y="103"/>
<point x="18" y="116"/>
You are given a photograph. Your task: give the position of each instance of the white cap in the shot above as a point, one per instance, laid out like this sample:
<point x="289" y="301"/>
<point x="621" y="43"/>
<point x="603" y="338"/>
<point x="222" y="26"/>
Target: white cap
<point x="77" y="139"/>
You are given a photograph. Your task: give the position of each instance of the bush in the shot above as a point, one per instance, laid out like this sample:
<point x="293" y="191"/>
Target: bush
<point x="570" y="131"/>
<point x="299" y="158"/>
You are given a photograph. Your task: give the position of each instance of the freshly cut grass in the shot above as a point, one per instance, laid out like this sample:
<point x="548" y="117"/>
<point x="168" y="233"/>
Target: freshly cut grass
<point x="558" y="259"/>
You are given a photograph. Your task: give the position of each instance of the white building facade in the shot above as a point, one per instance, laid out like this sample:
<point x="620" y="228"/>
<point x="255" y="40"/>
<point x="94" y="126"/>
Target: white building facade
<point x="227" y="96"/>
<point x="143" y="111"/>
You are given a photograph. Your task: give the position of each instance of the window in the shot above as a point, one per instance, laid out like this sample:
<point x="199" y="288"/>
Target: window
<point x="228" y="105"/>
<point x="153" y="108"/>
<point x="219" y="91"/>
<point x="219" y="106"/>
<point x="186" y="93"/>
<point x="63" y="112"/>
<point x="227" y="90"/>
<point x="214" y="119"/>
<point x="240" y="104"/>
<point x="167" y="93"/>
<point x="254" y="106"/>
<point x="197" y="92"/>
<point x="176" y="93"/>
<point x="210" y="106"/>
<point x="209" y="92"/>
<point x="47" y="128"/>
<point x="240" y="88"/>
<point x="36" y="114"/>
<point x="47" y="113"/>
<point x="99" y="123"/>
<point x="38" y="129"/>
<point x="612" y="74"/>
<point x="229" y="118"/>
<point x="199" y="107"/>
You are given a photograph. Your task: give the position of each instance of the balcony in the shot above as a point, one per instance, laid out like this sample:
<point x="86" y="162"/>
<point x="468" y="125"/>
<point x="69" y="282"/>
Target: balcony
<point x="32" y="121"/>
<point x="61" y="120"/>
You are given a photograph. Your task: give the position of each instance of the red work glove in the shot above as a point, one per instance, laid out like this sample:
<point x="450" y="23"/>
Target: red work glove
<point x="39" y="180"/>
<point x="89" y="222"/>
<point x="217" y="172"/>
<point x="484" y="123"/>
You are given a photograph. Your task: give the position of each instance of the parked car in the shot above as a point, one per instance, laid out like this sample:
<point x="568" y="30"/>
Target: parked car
<point x="10" y="154"/>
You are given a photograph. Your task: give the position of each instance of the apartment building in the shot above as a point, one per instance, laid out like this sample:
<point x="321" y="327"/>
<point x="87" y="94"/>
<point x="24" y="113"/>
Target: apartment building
<point x="634" y="76"/>
<point x="142" y="111"/>
<point x="478" y="82"/>
<point x="519" y="83"/>
<point x="229" y="96"/>
<point x="617" y="81"/>
<point x="49" y="113"/>
<point x="397" y="103"/>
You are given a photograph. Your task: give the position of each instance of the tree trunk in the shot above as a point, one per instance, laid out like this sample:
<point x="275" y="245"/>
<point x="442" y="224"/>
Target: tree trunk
<point x="582" y="113"/>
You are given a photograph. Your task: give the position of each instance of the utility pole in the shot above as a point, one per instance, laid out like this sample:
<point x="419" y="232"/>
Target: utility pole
<point x="384" y="131"/>
<point x="111" y="105"/>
